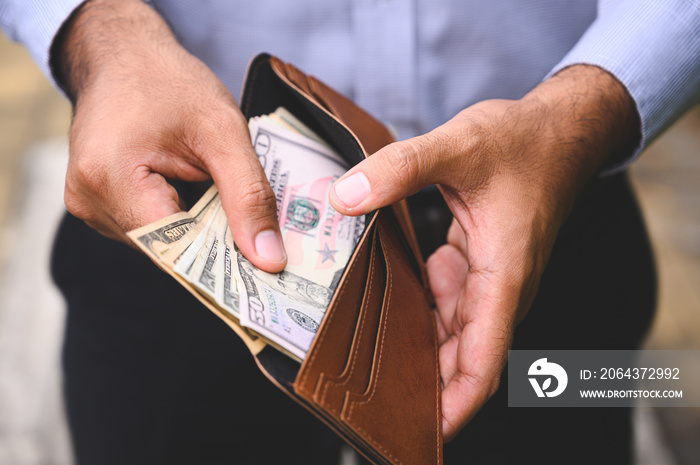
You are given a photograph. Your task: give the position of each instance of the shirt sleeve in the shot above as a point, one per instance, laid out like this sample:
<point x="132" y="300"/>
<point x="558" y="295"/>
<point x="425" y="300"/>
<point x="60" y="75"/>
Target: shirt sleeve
<point x="34" y="23"/>
<point x="653" y="48"/>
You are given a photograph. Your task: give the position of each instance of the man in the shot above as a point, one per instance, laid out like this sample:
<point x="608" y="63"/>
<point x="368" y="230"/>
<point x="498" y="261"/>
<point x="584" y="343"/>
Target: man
<point x="150" y="377"/>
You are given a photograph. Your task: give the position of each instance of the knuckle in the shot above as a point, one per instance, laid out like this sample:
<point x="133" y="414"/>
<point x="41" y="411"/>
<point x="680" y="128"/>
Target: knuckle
<point x="85" y="183"/>
<point x="218" y="121"/>
<point x="436" y="143"/>
<point x="402" y="162"/>
<point x="493" y="386"/>
<point x="473" y="129"/>
<point x="488" y="384"/>
<point x="71" y="201"/>
<point x="76" y="205"/>
<point x="257" y="199"/>
<point x="210" y="131"/>
<point x="415" y="160"/>
<point x="87" y="171"/>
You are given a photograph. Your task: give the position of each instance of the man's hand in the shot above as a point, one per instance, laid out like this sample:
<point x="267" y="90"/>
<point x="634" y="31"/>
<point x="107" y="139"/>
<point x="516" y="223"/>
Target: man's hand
<point x="509" y="171"/>
<point x="147" y="111"/>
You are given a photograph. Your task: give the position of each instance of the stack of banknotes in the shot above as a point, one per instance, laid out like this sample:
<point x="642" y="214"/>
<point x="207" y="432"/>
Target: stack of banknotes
<point x="285" y="309"/>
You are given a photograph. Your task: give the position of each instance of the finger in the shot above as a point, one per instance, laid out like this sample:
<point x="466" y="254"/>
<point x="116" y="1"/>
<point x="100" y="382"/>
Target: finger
<point x="456" y="236"/>
<point x="475" y="356"/>
<point x="141" y="198"/>
<point x="246" y="195"/>
<point x="177" y="167"/>
<point x="393" y="173"/>
<point x="442" y="334"/>
<point x="447" y="270"/>
<point x="481" y="355"/>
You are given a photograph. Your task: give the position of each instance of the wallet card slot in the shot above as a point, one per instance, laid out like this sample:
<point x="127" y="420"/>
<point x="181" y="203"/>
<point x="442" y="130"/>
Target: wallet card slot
<point x="332" y="387"/>
<point x="402" y="373"/>
<point x="330" y="348"/>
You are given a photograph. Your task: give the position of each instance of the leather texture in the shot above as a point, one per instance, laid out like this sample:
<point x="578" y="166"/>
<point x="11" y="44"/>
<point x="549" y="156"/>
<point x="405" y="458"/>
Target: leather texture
<point x="372" y="371"/>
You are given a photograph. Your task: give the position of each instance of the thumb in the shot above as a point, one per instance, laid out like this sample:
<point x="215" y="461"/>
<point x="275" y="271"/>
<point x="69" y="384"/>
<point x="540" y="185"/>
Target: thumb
<point x="246" y="197"/>
<point x="391" y="174"/>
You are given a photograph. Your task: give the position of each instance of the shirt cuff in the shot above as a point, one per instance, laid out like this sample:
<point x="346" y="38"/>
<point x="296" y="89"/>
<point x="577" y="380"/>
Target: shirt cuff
<point x="653" y="48"/>
<point x="35" y="23"/>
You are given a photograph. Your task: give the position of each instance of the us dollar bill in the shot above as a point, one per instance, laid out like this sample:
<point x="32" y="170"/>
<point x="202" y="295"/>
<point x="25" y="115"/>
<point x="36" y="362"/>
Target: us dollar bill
<point x="186" y="261"/>
<point x="205" y="271"/>
<point x="318" y="239"/>
<point x="203" y="220"/>
<point x="284" y="116"/>
<point x="287" y="308"/>
<point x="226" y="291"/>
<point x="284" y="308"/>
<point x="157" y="238"/>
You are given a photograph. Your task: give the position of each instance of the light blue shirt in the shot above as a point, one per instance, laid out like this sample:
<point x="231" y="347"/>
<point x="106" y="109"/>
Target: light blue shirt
<point x="416" y="63"/>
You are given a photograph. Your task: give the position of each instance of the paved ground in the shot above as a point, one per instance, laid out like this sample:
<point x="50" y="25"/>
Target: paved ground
<point x="32" y="160"/>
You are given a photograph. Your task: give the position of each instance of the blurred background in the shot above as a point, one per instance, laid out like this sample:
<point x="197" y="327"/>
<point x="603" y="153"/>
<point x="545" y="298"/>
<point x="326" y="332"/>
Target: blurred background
<point x="34" y="121"/>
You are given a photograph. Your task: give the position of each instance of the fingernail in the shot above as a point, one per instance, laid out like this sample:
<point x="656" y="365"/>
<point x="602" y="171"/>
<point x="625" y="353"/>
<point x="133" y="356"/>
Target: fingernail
<point x="353" y="189"/>
<point x="269" y="246"/>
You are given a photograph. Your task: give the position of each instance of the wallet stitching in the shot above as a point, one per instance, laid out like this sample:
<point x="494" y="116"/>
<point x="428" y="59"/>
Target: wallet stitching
<point x="359" y="337"/>
<point x="368" y="436"/>
<point x="376" y="445"/>
<point x="323" y="333"/>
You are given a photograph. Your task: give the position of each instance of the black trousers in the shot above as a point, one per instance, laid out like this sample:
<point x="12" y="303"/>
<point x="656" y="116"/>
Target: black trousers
<point x="152" y="377"/>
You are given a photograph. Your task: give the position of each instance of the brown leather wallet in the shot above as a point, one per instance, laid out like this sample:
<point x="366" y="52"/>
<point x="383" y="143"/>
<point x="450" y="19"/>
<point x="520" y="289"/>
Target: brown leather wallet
<point x="372" y="371"/>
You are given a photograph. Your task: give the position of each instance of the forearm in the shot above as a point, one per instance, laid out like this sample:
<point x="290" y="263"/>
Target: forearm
<point x="103" y="38"/>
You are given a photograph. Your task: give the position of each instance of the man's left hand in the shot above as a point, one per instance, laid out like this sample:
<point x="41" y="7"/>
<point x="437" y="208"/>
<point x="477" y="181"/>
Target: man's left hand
<point x="509" y="172"/>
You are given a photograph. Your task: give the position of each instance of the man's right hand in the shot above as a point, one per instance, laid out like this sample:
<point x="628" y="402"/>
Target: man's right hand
<point x="147" y="111"/>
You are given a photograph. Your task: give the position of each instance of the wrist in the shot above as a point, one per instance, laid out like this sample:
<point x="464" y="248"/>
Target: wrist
<point x="580" y="121"/>
<point x="590" y="118"/>
<point x="91" y="42"/>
